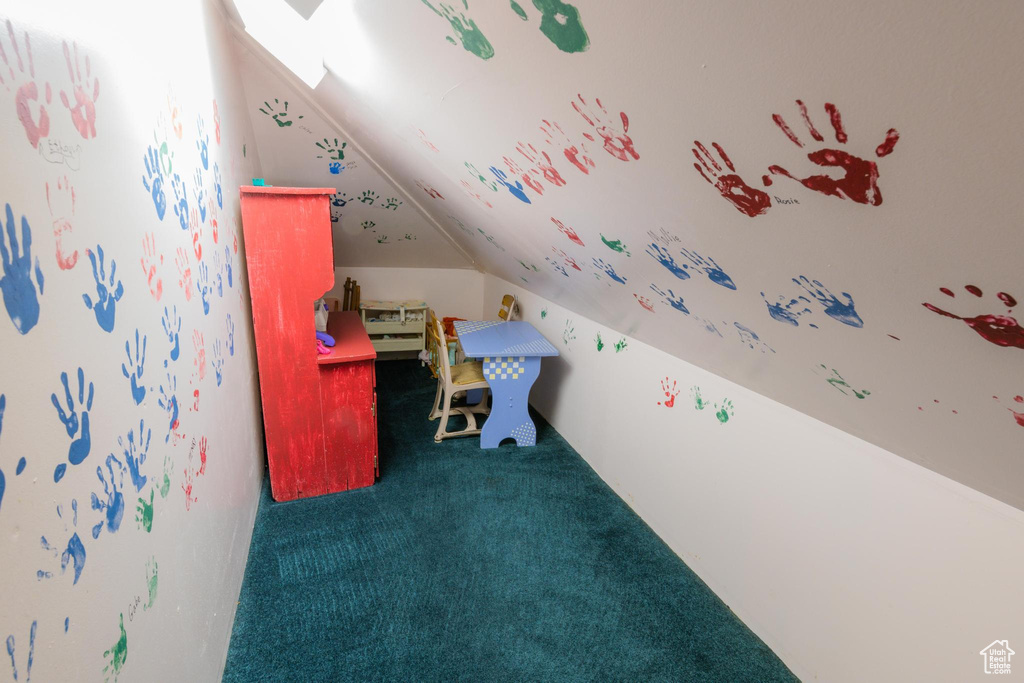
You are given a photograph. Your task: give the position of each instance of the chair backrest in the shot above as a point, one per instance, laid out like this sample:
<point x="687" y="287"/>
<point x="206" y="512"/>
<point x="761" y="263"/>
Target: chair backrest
<point x="508" y="305"/>
<point x="444" y="370"/>
<point x="432" y="345"/>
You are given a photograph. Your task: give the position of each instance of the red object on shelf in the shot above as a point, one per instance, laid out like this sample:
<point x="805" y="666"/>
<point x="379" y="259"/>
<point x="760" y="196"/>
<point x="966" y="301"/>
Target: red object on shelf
<point x="319" y="413"/>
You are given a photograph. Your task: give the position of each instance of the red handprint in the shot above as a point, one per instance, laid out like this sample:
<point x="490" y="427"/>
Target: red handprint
<point x="149" y="260"/>
<point x="200" y="359"/>
<point x="425" y="141"/>
<point x="429" y="190"/>
<point x="569" y="260"/>
<point x="202" y="455"/>
<point x="645" y="302"/>
<point x="184" y="273"/>
<point x="471" y="193"/>
<point x="28" y="91"/>
<point x="195" y="228"/>
<point x="214" y="225"/>
<point x="567" y="231"/>
<point x="670" y="393"/>
<point x="746" y="199"/>
<point x="83" y="111"/>
<point x="616" y="142"/>
<point x="1001" y="330"/>
<point x="62" y="209"/>
<point x="541" y="164"/>
<point x="571" y="151"/>
<point x="860" y="183"/>
<point x="517" y="172"/>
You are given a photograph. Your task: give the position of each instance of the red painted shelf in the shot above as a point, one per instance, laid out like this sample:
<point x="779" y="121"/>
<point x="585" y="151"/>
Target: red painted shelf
<point x="351" y="343"/>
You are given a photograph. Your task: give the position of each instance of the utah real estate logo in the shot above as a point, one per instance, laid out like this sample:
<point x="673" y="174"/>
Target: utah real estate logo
<point x="997" y="657"/>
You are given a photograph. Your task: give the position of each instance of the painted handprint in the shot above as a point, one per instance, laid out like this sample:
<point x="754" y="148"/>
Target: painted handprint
<point x="144" y="512"/>
<point x="200" y="358"/>
<point x="217" y="188"/>
<point x="231" y="336"/>
<point x="837" y="381"/>
<point x="621" y="345"/>
<point x="712" y="269"/>
<point x="116" y="656"/>
<point x="61" y="201"/>
<point x="598" y="342"/>
<point x="560" y="22"/>
<point x="184" y="273"/>
<point x="279" y="117"/>
<point x="645" y="302"/>
<point x="750" y="338"/>
<point x="195" y="231"/>
<point x="699" y="402"/>
<point x="569" y="260"/>
<point x="172" y="327"/>
<point x="670" y="392"/>
<point x="135" y="454"/>
<point x="203" y="287"/>
<point x="860" y="181"/>
<point x="844" y="312"/>
<point x="789" y="311"/>
<point x="368" y="197"/>
<point x="136" y="365"/>
<point x="1018" y="416"/>
<point x="609" y="270"/>
<point x="19" y="291"/>
<point x="616" y="141"/>
<point x="516" y="190"/>
<point x="21" y="462"/>
<point x="335" y="150"/>
<point x="747" y="200"/>
<point x="724" y="411"/>
<point x="107" y="294"/>
<point x="73" y="553"/>
<point x="662" y="256"/>
<point x="466" y="30"/>
<point x="203" y="143"/>
<point x="615" y="245"/>
<point x="559" y="268"/>
<point x="27" y="96"/>
<point x="218" y="362"/>
<point x="218" y="273"/>
<point x="476" y="195"/>
<point x="86" y="92"/>
<point x="541" y="166"/>
<point x="31" y="652"/>
<point x="216" y="122"/>
<point x="491" y="185"/>
<point x="228" y="273"/>
<point x="153" y="181"/>
<point x="569" y="149"/>
<point x="429" y="190"/>
<point x="168" y="401"/>
<point x="569" y="333"/>
<point x="518" y="172"/>
<point x="1001" y="330"/>
<point x="199" y="191"/>
<point x="391" y="203"/>
<point x="150" y="259"/>
<point x="112" y="502"/>
<point x="671" y="299"/>
<point x="76" y="427"/>
<point x="567" y="231"/>
<point x="180" y="200"/>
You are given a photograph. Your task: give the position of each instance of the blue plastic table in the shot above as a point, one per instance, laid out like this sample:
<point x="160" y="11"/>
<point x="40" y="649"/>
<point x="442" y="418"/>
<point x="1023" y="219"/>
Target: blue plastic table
<point x="511" y="353"/>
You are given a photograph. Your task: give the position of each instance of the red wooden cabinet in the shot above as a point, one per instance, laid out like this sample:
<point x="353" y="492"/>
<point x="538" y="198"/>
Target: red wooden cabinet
<point x="319" y="413"/>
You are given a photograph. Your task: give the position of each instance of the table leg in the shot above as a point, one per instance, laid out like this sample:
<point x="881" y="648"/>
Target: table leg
<point x="510" y="379"/>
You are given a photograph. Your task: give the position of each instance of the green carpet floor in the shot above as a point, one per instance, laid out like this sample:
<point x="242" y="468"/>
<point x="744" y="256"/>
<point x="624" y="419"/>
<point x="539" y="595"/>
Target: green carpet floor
<point x="465" y="564"/>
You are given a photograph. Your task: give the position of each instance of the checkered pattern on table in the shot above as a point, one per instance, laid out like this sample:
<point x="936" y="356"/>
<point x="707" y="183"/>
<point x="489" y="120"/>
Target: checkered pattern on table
<point x="464" y="327"/>
<point x="504" y="367"/>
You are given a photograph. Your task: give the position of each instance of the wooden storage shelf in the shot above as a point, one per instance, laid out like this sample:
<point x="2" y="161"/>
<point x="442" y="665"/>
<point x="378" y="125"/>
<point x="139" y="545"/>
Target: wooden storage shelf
<point x="406" y="332"/>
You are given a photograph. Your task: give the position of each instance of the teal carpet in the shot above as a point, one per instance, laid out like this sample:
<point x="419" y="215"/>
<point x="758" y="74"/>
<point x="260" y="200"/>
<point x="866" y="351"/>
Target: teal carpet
<point x="464" y="564"/>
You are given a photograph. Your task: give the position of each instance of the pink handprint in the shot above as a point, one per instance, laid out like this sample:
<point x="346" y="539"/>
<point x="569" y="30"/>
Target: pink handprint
<point x="471" y="193"/>
<point x="571" y="151"/>
<point x="567" y="231"/>
<point x="616" y="142"/>
<point x="541" y="163"/>
<point x="195" y="229"/>
<point x="860" y="183"/>
<point x="61" y="200"/>
<point x="216" y="122"/>
<point x="149" y="261"/>
<point x="746" y="199"/>
<point x="83" y="111"/>
<point x="200" y="359"/>
<point x="517" y="172"/>
<point x="27" y="94"/>
<point x="645" y="302"/>
<point x="184" y="273"/>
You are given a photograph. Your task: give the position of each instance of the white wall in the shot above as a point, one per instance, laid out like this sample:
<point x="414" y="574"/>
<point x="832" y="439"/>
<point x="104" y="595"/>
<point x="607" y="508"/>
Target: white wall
<point x="172" y="579"/>
<point x="851" y="563"/>
<point x="449" y="291"/>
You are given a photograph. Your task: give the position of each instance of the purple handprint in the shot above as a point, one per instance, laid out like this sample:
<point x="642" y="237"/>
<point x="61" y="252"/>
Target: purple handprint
<point x="153" y="181"/>
<point x="106" y="296"/>
<point x="112" y="505"/>
<point x="18" y="290"/>
<point x="138" y="390"/>
<point x="80" y="446"/>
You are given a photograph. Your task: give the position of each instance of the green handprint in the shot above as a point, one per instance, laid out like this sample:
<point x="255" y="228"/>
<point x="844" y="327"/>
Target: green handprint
<point x="466" y="29"/>
<point x="599" y="341"/>
<point x="117" y="655"/>
<point x="165" y="487"/>
<point x="725" y="412"/>
<point x="568" y="334"/>
<point x="368" y="197"/>
<point x="560" y="22"/>
<point x="144" y="513"/>
<point x="334" y="151"/>
<point x="151" y="581"/>
<point x="620" y="345"/>
<point x="615" y="245"/>
<point x="281" y="117"/>
<point x="698" y="401"/>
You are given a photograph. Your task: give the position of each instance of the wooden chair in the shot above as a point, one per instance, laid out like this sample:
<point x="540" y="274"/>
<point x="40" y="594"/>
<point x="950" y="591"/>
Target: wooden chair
<point x="452" y="380"/>
<point x="508" y="307"/>
<point x="350" y="301"/>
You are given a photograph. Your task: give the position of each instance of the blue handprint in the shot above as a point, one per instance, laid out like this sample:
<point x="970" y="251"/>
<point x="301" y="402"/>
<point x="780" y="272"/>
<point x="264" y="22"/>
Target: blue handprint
<point x="74" y="554"/>
<point x="516" y="190"/>
<point x="218" y="362"/>
<point x="200" y="193"/>
<point x="181" y="201"/>
<point x="609" y="270"/>
<point x="138" y="390"/>
<point x="227" y="265"/>
<point x="231" y="336"/>
<point x="715" y="273"/>
<point x="557" y="266"/>
<point x="153" y="181"/>
<point x="31" y="652"/>
<point x="750" y="338"/>
<point x="21" y="461"/>
<point x="135" y="456"/>
<point x="671" y="299"/>
<point x="340" y="199"/>
<point x="112" y="505"/>
<point x="788" y="312"/>
<point x="80" y="447"/>
<point x="218" y="273"/>
<point x="217" y="187"/>
<point x="106" y="297"/>
<point x="662" y="256"/>
<point x="203" y="143"/>
<point x="334" y="167"/>
<point x="18" y="289"/>
<point x="172" y="326"/>
<point x="203" y="285"/>
<point x="843" y="312"/>
<point x="169" y="402"/>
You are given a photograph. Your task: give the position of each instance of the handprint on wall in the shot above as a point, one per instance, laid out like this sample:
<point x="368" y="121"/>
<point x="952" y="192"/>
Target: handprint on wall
<point x="85" y="93"/>
<point x="135" y="454"/>
<point x="577" y="156"/>
<point x="662" y="256"/>
<point x="27" y="97"/>
<point x="76" y="427"/>
<point x="107" y="294"/>
<point x="842" y="311"/>
<point x="787" y="309"/>
<point x="184" y="273"/>
<point x="137" y="368"/>
<point x="747" y="200"/>
<point x="670" y="392"/>
<point x="60" y="198"/>
<point x="72" y="555"/>
<point x="16" y="285"/>
<point x="616" y="140"/>
<point x="541" y="166"/>
<point x="111" y="504"/>
<point x="150" y="259"/>
<point x="1001" y="330"/>
<point x="153" y="181"/>
<point x="172" y="327"/>
<point x="860" y="182"/>
<point x="279" y="117"/>
<point x="203" y="143"/>
<point x="645" y="302"/>
<point x="609" y="270"/>
<point x="710" y="268"/>
<point x="560" y="22"/>
<point x="515" y="187"/>
<point x="671" y="299"/>
<point x="567" y="231"/>
<point x="334" y="150"/>
<point x="465" y="29"/>
<point x="180" y="201"/>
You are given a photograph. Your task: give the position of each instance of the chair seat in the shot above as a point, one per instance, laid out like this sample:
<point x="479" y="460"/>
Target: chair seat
<point x="468" y="373"/>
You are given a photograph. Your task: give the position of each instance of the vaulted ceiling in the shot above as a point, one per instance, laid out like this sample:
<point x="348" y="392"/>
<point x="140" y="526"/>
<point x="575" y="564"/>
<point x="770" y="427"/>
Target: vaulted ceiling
<point x="814" y="200"/>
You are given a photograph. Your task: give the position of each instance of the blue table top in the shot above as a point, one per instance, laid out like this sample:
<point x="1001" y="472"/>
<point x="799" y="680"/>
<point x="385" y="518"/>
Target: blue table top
<point x="486" y="338"/>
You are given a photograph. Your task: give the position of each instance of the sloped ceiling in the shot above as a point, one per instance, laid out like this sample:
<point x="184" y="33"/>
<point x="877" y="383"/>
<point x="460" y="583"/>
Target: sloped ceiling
<point x="815" y="200"/>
